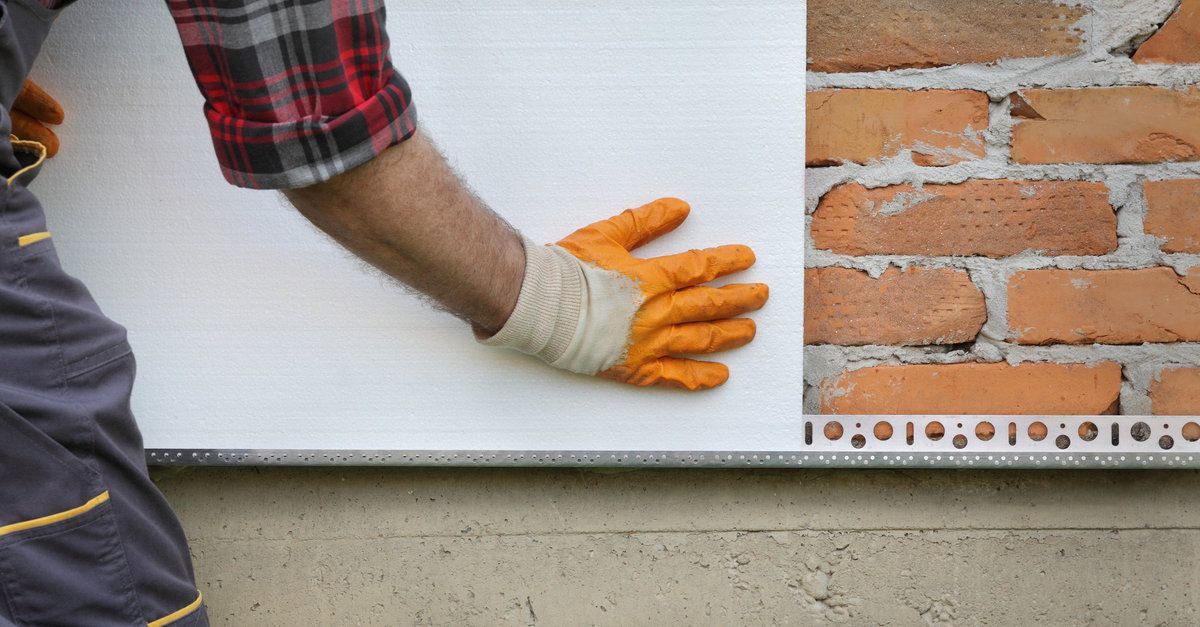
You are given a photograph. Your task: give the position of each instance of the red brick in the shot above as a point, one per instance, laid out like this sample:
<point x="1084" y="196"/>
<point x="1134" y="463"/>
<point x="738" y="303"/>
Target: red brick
<point x="988" y="218"/>
<point x="1106" y="125"/>
<point x="1031" y="388"/>
<point x="868" y="35"/>
<point x="1104" y="306"/>
<point x="1174" y="213"/>
<point x="1176" y="392"/>
<point x="910" y="307"/>
<point x="1178" y="41"/>
<point x="862" y="125"/>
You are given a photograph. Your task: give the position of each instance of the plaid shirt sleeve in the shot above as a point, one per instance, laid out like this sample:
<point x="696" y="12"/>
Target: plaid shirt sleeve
<point x="295" y="91"/>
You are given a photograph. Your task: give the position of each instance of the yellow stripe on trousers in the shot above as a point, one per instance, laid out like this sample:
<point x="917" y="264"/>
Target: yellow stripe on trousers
<point x="179" y="613"/>
<point x="26" y="240"/>
<point x="53" y="518"/>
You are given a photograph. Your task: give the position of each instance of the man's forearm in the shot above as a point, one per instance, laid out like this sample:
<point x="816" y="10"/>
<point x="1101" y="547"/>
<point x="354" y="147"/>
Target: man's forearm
<point x="408" y="214"/>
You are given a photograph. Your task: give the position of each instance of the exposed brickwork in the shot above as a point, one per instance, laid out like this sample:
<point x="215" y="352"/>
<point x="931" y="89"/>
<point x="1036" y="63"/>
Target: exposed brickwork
<point x="1106" y="125"/>
<point x="1046" y="230"/>
<point x="1178" y="41"/>
<point x="988" y="218"/>
<point x="913" y="306"/>
<point x="862" y="125"/>
<point x="1174" y="213"/>
<point x="1104" y="306"/>
<point x="868" y="35"/>
<point x="1032" y="388"/>
<point x="1176" y="392"/>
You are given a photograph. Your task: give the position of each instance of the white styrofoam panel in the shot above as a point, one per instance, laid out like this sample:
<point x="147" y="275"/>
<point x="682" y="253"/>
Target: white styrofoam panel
<point x="253" y="330"/>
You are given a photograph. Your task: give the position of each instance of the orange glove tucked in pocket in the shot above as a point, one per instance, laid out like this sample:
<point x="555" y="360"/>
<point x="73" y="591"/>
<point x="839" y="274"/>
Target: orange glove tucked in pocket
<point x="589" y="306"/>
<point x="31" y="112"/>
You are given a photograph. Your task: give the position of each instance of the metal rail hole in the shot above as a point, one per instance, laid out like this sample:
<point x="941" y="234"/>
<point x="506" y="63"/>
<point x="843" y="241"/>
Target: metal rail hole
<point x="808" y="432"/>
<point x="883" y="431"/>
<point x="1116" y="434"/>
<point x="1191" y="432"/>
<point x="1088" y="431"/>
<point x="1140" y="431"/>
<point x="1012" y="434"/>
<point x="908" y="433"/>
<point x="985" y="431"/>
<point x="833" y="430"/>
<point x="934" y="430"/>
<point x="1037" y="431"/>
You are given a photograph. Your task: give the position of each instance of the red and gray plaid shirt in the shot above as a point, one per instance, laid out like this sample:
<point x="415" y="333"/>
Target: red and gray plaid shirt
<point x="295" y="91"/>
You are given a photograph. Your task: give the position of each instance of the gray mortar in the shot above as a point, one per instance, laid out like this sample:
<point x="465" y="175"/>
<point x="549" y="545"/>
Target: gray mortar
<point x="1111" y="32"/>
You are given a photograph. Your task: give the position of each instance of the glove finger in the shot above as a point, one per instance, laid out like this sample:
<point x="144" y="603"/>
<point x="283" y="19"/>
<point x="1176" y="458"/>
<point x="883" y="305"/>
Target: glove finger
<point x="635" y="227"/>
<point x="27" y="128"/>
<point x="39" y="105"/>
<point x="699" y="304"/>
<point x="688" y="374"/>
<point x="696" y="338"/>
<point x="700" y="266"/>
<point x="702" y="303"/>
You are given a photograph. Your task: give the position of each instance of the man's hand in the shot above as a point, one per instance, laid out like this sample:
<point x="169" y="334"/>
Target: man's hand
<point x="589" y="306"/>
<point x="31" y="112"/>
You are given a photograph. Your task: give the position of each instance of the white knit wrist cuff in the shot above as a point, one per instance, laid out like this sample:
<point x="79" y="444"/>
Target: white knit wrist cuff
<point x="548" y="308"/>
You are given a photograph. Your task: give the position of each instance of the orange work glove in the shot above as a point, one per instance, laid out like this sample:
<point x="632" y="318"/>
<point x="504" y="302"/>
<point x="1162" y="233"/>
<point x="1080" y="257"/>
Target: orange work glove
<point x="31" y="112"/>
<point x="589" y="306"/>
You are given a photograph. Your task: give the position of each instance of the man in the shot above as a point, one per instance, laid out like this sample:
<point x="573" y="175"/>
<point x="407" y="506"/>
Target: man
<point x="85" y="538"/>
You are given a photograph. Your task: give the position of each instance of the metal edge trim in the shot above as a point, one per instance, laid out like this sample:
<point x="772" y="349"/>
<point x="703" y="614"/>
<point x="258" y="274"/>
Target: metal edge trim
<point x="821" y="453"/>
<point x="660" y="459"/>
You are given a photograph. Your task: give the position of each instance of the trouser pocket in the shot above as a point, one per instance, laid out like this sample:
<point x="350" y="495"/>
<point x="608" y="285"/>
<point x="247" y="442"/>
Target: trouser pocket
<point x="68" y="568"/>
<point x="80" y="329"/>
<point x="61" y="557"/>
<point x="50" y="326"/>
<point x="29" y="156"/>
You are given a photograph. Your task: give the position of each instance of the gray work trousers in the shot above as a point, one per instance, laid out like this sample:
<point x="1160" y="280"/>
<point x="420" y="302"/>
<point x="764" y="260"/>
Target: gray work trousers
<point x="85" y="536"/>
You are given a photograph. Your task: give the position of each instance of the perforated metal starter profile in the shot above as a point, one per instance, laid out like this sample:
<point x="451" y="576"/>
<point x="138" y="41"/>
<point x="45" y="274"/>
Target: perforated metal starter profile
<point x="828" y="442"/>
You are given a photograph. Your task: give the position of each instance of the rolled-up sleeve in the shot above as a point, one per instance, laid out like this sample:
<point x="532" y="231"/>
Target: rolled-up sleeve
<point x="295" y="91"/>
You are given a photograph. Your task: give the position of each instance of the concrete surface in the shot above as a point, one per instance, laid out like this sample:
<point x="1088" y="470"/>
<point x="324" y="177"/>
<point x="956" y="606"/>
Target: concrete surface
<point x="279" y="546"/>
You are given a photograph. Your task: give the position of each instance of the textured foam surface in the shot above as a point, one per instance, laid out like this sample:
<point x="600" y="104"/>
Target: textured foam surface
<point x="252" y="330"/>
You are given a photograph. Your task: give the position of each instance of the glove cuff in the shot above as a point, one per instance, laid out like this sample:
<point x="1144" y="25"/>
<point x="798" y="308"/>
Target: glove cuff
<point x="548" y="310"/>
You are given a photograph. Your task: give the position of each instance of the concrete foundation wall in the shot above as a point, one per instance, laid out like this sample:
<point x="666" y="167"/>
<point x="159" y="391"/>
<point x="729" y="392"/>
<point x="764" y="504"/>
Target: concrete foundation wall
<point x="706" y="547"/>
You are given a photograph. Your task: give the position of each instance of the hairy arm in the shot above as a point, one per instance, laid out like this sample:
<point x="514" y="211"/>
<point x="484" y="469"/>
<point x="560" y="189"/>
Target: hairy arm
<point x="585" y="304"/>
<point x="408" y="214"/>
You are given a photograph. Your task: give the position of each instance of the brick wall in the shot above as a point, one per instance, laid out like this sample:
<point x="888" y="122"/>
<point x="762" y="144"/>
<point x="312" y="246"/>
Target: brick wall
<point x="1003" y="207"/>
